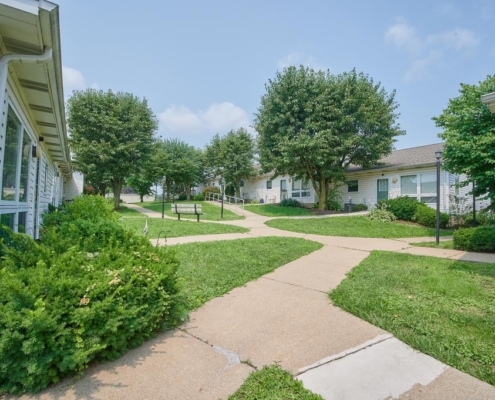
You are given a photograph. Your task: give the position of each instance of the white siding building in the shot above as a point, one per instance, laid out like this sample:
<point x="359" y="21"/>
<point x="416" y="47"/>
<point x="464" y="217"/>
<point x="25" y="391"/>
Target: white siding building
<point x="34" y="154"/>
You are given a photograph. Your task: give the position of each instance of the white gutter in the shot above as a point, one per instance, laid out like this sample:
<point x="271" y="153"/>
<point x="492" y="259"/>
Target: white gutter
<point x="22" y="58"/>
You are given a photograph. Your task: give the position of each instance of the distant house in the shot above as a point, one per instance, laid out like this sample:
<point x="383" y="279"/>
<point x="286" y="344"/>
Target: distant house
<point x="408" y="172"/>
<point x="35" y="162"/>
<point x="489" y="100"/>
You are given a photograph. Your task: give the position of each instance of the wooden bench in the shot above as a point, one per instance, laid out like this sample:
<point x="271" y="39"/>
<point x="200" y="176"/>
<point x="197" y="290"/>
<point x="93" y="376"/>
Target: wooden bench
<point x="193" y="209"/>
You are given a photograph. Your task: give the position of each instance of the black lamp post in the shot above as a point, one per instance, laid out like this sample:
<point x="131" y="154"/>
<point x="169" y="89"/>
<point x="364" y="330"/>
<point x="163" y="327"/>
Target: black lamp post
<point x="222" y="186"/>
<point x="438" y="156"/>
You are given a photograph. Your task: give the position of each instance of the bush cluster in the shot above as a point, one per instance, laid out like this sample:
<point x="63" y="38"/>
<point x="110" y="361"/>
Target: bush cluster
<point x="199" y="197"/>
<point x="481" y="238"/>
<point x="88" y="291"/>
<point x="214" y="189"/>
<point x="182" y="197"/>
<point x="403" y="207"/>
<point x="427" y="216"/>
<point x="381" y="214"/>
<point x="289" y="203"/>
<point x="359" y="207"/>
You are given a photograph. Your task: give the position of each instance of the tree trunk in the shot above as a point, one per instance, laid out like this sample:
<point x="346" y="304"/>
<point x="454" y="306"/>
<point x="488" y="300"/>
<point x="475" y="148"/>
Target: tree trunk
<point x="117" y="189"/>
<point x="141" y="196"/>
<point x="188" y="191"/>
<point x="322" y="194"/>
<point x="169" y="188"/>
<point x="102" y="188"/>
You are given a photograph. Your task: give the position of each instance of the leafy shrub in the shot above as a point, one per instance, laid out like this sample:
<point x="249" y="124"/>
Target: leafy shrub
<point x="475" y="239"/>
<point x="381" y="214"/>
<point x="427" y="216"/>
<point x="359" y="207"/>
<point x="289" y="203"/>
<point x="214" y="189"/>
<point x="461" y="208"/>
<point x="88" y="291"/>
<point x="482" y="218"/>
<point x="334" y="200"/>
<point x="182" y="197"/>
<point x="403" y="207"/>
<point x="199" y="197"/>
<point x="254" y="201"/>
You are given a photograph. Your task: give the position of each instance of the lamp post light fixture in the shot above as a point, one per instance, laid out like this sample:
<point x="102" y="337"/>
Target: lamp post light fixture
<point x="438" y="156"/>
<point x="222" y="188"/>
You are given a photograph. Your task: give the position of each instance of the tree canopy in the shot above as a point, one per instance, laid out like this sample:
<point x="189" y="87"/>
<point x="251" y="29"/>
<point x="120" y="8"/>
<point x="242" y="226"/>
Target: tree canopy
<point x="314" y="125"/>
<point x="231" y="157"/>
<point x="111" y="134"/>
<point x="469" y="134"/>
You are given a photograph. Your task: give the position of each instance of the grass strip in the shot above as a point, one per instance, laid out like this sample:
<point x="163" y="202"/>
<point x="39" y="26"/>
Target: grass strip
<point x="209" y="270"/>
<point x="271" y="210"/>
<point x="357" y="226"/>
<point x="211" y="212"/>
<point x="440" y="307"/>
<point x="273" y="383"/>
<point x="448" y="244"/>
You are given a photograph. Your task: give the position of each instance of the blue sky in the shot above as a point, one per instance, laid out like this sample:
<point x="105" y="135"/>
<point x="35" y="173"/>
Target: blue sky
<point x="203" y="65"/>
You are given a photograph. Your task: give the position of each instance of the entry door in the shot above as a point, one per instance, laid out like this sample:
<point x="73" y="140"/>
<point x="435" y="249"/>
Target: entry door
<point x="381" y="189"/>
<point x="283" y="189"/>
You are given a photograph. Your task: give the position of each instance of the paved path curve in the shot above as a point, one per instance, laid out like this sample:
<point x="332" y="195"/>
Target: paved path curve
<point x="284" y="317"/>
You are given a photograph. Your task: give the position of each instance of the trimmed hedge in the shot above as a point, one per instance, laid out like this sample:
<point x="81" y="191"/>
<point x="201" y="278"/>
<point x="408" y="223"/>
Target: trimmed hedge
<point x="403" y="207"/>
<point x="214" y="189"/>
<point x="89" y="291"/>
<point x="427" y="216"/>
<point x="289" y="203"/>
<point x="199" y="197"/>
<point x="475" y="239"/>
<point x="359" y="207"/>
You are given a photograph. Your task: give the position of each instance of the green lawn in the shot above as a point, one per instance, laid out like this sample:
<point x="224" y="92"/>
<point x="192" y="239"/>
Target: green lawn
<point x="448" y="244"/>
<point x="136" y="221"/>
<point x="272" y="210"/>
<point x="211" y="211"/>
<point x="209" y="270"/>
<point x="353" y="227"/>
<point x="273" y="383"/>
<point x="443" y="308"/>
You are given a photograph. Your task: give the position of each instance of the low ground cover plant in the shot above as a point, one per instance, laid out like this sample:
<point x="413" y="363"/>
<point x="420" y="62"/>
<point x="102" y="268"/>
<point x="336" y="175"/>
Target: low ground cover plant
<point x="289" y="203"/>
<point x="272" y="382"/>
<point x="443" y="308"/>
<point x="481" y="238"/>
<point x="359" y="207"/>
<point x="381" y="214"/>
<point x="88" y="291"/>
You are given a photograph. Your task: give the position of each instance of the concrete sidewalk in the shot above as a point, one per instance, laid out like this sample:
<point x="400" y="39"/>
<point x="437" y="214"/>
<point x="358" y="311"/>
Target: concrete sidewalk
<point x="284" y="317"/>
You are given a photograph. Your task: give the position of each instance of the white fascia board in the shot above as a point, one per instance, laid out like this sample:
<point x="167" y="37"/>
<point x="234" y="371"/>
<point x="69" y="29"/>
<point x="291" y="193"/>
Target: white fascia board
<point x="29" y="6"/>
<point x="489" y="100"/>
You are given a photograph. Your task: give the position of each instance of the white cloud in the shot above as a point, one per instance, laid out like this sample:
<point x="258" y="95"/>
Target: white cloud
<point x="427" y="54"/>
<point x="75" y="80"/>
<point x="217" y="118"/>
<point x="296" y="59"/>
<point x="404" y="36"/>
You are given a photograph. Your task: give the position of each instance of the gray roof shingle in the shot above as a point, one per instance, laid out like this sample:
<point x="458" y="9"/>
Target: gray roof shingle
<point x="412" y="156"/>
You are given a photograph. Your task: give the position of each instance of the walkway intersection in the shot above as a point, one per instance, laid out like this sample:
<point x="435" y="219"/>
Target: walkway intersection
<point x="284" y="317"/>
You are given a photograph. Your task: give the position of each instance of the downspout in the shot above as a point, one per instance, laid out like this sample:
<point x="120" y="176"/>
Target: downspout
<point x="22" y="58"/>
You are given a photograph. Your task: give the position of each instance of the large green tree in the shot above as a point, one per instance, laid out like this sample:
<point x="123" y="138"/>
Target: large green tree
<point x="111" y="133"/>
<point x="148" y="174"/>
<point x="313" y="125"/>
<point x="181" y="165"/>
<point x="469" y="134"/>
<point x="232" y="157"/>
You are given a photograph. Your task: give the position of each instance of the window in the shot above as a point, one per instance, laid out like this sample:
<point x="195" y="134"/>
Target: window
<point x="300" y="189"/>
<point x="422" y="186"/>
<point x="26" y="154"/>
<point x="21" y="225"/>
<point x="268" y="184"/>
<point x="352" y="186"/>
<point x="242" y="183"/>
<point x="11" y="158"/>
<point x="7" y="220"/>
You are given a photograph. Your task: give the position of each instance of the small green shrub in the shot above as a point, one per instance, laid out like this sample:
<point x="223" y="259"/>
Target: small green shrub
<point x="427" y="216"/>
<point x="475" y="239"/>
<point x="199" y="197"/>
<point x="403" y="207"/>
<point x="289" y="203"/>
<point x="214" y="189"/>
<point x="182" y="197"/>
<point x="359" y="207"/>
<point x="482" y="219"/>
<point x="381" y="214"/>
<point x="334" y="200"/>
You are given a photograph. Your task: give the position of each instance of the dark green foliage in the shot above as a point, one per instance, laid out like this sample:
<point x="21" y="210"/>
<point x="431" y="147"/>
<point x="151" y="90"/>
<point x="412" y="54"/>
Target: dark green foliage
<point x="403" y="207"/>
<point x="359" y="207"/>
<point x="182" y="197"/>
<point x="475" y="239"/>
<point x="214" y="189"/>
<point x="89" y="291"/>
<point x="199" y="197"/>
<point x="289" y="203"/>
<point x="427" y="216"/>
